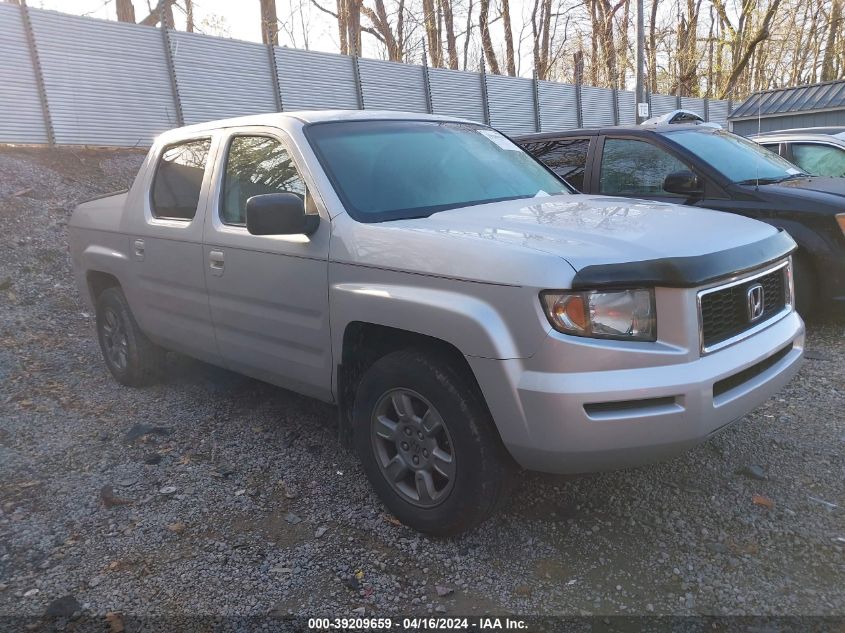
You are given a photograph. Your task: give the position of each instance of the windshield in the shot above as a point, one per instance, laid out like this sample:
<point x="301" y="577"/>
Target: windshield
<point x="738" y="159"/>
<point x="387" y="170"/>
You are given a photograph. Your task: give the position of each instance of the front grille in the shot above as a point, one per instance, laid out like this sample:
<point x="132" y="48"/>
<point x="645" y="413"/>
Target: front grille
<point x="725" y="310"/>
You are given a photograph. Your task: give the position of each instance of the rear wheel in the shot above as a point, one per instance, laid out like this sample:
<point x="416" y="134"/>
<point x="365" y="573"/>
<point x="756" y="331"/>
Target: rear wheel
<point x="131" y="357"/>
<point x="806" y="284"/>
<point x="428" y="444"/>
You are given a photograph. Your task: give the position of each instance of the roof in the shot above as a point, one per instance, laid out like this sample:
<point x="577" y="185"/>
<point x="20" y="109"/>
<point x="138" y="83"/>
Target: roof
<point x="638" y="130"/>
<point x="807" y="131"/>
<point x="829" y="95"/>
<point x="314" y="116"/>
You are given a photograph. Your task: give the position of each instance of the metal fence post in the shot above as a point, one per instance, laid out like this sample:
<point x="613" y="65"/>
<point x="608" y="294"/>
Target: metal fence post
<point x="429" y="106"/>
<point x="39" y="75"/>
<point x="171" y="70"/>
<point x="538" y="123"/>
<point x="578" y="105"/>
<point x="678" y="102"/>
<point x="485" y="103"/>
<point x="615" y="107"/>
<point x="706" y="109"/>
<point x="274" y="72"/>
<point x="359" y="90"/>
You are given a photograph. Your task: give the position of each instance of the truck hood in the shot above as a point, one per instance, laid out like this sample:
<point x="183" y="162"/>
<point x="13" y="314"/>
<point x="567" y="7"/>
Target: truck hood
<point x="590" y="230"/>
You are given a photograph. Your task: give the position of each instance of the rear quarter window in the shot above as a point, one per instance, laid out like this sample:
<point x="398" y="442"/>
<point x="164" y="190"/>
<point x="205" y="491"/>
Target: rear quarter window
<point x="178" y="179"/>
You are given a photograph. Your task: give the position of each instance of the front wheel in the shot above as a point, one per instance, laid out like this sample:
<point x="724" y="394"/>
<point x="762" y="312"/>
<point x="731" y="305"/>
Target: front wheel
<point x="428" y="444"/>
<point x="131" y="357"/>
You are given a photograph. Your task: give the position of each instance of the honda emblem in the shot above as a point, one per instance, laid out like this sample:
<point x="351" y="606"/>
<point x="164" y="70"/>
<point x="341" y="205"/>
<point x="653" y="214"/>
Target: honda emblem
<point x="755" y="305"/>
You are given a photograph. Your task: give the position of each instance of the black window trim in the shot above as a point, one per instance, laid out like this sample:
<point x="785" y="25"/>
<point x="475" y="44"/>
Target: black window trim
<point x="225" y="162"/>
<point x="206" y="136"/>
<point x="591" y="147"/>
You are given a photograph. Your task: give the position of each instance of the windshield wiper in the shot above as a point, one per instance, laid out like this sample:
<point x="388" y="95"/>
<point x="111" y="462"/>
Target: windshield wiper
<point x="771" y="181"/>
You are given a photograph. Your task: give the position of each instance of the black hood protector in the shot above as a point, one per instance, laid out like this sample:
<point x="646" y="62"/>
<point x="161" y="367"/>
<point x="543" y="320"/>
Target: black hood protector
<point x="686" y="272"/>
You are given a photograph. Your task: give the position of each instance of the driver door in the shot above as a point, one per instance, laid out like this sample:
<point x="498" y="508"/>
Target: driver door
<point x="268" y="293"/>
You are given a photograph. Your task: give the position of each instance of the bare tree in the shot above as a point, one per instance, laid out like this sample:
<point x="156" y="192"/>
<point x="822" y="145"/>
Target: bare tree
<point x="125" y="11"/>
<point x="834" y="32"/>
<point x="269" y="22"/>
<point x="509" y="50"/>
<point x="451" y="40"/>
<point x="432" y="33"/>
<point x="742" y="49"/>
<point x="486" y="40"/>
<point x="381" y="28"/>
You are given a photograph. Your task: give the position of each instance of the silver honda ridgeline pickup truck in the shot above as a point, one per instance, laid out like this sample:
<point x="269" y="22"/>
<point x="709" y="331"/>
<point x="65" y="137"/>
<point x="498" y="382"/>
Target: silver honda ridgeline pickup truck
<point x="463" y="307"/>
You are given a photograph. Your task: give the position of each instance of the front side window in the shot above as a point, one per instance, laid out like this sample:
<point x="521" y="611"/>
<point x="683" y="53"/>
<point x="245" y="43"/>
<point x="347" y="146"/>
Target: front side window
<point x="818" y="159"/>
<point x="630" y="167"/>
<point x="178" y="179"/>
<point x="736" y="158"/>
<point x="567" y="157"/>
<point x="389" y="170"/>
<point x="256" y="165"/>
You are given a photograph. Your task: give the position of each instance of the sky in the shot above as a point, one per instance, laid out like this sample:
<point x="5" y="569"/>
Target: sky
<point x="241" y="20"/>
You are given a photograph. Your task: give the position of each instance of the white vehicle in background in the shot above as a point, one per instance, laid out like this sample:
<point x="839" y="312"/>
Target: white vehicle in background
<point x="819" y="151"/>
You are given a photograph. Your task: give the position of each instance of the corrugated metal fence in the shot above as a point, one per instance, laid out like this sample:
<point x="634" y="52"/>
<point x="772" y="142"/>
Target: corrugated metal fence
<point x="73" y="80"/>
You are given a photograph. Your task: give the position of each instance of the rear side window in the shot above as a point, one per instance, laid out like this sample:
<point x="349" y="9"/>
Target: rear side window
<point x="819" y="160"/>
<point x="178" y="179"/>
<point x="566" y="157"/>
<point x="256" y="165"/>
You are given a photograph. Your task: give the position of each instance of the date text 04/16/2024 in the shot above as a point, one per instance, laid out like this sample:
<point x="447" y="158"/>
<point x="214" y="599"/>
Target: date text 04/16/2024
<point x="414" y="624"/>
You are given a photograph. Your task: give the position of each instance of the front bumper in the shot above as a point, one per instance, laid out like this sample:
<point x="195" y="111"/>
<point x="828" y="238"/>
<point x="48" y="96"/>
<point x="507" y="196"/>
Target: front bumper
<point x="569" y="422"/>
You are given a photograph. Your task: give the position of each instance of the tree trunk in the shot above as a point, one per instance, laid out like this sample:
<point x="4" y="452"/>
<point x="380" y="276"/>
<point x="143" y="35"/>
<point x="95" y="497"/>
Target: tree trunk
<point x="269" y="23"/>
<point x="652" y="48"/>
<point x="509" y="52"/>
<point x="468" y="35"/>
<point x="834" y="32"/>
<point x="189" y="16"/>
<point x="125" y="11"/>
<point x="451" y="42"/>
<point x="432" y="33"/>
<point x="486" y="42"/>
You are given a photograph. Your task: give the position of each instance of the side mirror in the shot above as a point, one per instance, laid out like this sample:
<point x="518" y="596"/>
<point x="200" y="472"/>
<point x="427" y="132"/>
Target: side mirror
<point x="683" y="182"/>
<point x="279" y="214"/>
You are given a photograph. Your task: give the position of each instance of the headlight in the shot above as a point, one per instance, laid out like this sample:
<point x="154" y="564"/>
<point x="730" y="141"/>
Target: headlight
<point x="615" y="314"/>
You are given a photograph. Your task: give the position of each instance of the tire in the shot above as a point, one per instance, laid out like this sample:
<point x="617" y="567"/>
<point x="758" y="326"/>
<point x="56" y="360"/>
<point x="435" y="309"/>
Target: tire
<point x="131" y="357"/>
<point x="806" y="285"/>
<point x="463" y="468"/>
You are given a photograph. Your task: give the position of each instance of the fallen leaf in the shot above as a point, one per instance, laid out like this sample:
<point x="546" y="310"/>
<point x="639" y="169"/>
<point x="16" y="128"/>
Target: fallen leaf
<point x="359" y="575"/>
<point x="177" y="528"/>
<point x="392" y="520"/>
<point x="109" y="498"/>
<point x="115" y="620"/>
<point x="760" y="500"/>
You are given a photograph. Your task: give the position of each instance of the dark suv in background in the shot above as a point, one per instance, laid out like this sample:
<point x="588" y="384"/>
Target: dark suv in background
<point x="700" y="164"/>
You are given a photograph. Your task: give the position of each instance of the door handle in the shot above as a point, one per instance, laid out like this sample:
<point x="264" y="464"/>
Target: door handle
<point x="138" y="249"/>
<point x="216" y="263"/>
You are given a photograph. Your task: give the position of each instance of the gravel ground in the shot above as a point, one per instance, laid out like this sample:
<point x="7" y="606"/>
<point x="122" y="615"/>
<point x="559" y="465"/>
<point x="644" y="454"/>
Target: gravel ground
<point x="213" y="494"/>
